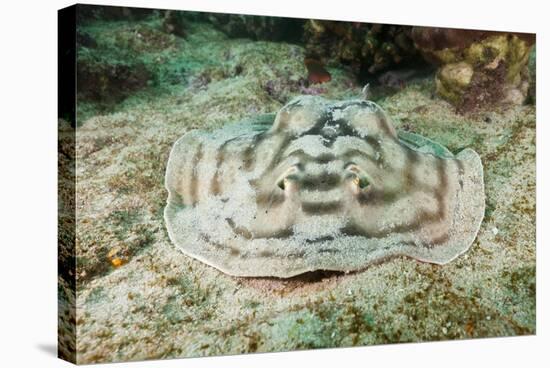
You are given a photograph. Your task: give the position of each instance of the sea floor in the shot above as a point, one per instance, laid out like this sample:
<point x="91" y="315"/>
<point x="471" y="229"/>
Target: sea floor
<point x="138" y="297"/>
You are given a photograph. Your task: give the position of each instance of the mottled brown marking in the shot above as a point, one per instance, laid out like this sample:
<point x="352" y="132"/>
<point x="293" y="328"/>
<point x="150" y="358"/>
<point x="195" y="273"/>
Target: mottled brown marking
<point x="412" y="161"/>
<point x="306" y="158"/>
<point x="266" y="254"/>
<point x="352" y="229"/>
<point x="374" y="143"/>
<point x="284" y="118"/>
<point x="272" y="199"/>
<point x="239" y="230"/>
<point x="440" y="239"/>
<point x="442" y="187"/>
<point x="248" y="157"/>
<point x="228" y="249"/>
<point x="216" y="245"/>
<point x="280" y="234"/>
<point x="215" y="188"/>
<point x="383" y="123"/>
<point x="277" y="157"/>
<point x="349" y="154"/>
<point x="220" y="157"/>
<point x="319" y="240"/>
<point x="460" y="166"/>
<point x="322" y="183"/>
<point x="321" y="208"/>
<point x="379" y="196"/>
<point x="194" y="179"/>
<point x="329" y="251"/>
<point x="234" y="251"/>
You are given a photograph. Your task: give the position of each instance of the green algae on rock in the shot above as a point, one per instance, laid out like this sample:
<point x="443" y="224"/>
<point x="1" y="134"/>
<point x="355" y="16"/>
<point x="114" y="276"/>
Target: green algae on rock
<point x="325" y="186"/>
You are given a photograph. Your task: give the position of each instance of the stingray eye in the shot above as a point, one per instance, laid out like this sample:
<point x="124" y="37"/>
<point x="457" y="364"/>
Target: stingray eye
<point x="358" y="176"/>
<point x="282" y="183"/>
<point x="290" y="175"/>
<point x="361" y="181"/>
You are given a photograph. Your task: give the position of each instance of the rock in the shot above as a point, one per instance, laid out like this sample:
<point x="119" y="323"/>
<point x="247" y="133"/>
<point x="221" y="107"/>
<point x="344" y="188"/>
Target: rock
<point x="367" y="48"/>
<point x="452" y="79"/>
<point x="102" y="79"/>
<point x="477" y="69"/>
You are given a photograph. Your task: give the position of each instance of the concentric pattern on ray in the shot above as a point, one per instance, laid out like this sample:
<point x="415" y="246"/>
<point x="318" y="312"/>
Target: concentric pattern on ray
<point x="325" y="186"/>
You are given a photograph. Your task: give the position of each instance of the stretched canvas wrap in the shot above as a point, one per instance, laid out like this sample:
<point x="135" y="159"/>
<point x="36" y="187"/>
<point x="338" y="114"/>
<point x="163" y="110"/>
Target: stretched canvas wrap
<point x="233" y="184"/>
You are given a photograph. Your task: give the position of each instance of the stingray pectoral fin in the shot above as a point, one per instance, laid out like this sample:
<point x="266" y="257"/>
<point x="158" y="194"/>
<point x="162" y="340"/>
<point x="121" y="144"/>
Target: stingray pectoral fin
<point x="423" y="144"/>
<point x="263" y="120"/>
<point x="180" y="179"/>
<point x="467" y="214"/>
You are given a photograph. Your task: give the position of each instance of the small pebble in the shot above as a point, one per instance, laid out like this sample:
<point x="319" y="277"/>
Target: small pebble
<point x="444" y="329"/>
<point x="495" y="231"/>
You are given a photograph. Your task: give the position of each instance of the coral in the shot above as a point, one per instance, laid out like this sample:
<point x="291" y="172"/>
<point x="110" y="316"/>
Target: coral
<point x="89" y="13"/>
<point x="257" y="27"/>
<point x="477" y="69"/>
<point x="367" y="48"/>
<point x="174" y="22"/>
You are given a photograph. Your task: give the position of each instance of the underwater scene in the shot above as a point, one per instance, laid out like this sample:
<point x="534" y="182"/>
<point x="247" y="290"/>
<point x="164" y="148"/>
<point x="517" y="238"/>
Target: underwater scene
<point x="234" y="184"/>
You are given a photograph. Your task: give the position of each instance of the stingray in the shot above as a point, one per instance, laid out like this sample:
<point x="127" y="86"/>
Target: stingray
<point x="321" y="185"/>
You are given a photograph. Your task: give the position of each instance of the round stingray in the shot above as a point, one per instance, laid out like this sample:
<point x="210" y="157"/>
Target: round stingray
<point x="322" y="185"/>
